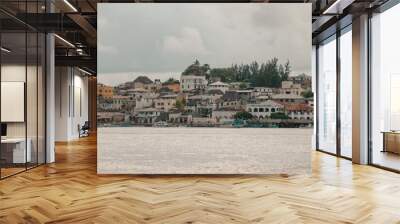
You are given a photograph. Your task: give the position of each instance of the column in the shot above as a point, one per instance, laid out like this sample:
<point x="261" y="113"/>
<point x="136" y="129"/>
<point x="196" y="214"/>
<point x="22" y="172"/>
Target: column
<point x="360" y="90"/>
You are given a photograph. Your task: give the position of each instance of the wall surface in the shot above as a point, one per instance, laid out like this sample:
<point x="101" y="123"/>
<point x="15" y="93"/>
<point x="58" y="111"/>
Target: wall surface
<point x="138" y="150"/>
<point x="71" y="103"/>
<point x="30" y="104"/>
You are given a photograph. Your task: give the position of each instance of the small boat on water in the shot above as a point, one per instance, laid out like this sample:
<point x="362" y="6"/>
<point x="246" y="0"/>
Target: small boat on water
<point x="239" y="123"/>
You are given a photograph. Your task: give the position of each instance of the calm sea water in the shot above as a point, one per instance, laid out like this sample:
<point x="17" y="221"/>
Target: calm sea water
<point x="141" y="150"/>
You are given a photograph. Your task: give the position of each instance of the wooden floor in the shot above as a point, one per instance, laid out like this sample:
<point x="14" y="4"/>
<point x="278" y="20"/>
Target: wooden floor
<point x="69" y="191"/>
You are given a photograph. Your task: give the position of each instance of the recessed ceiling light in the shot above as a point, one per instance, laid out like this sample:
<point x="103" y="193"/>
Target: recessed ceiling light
<point x="84" y="71"/>
<point x="5" y="50"/>
<point x="337" y="7"/>
<point x="64" y="40"/>
<point x="70" y="5"/>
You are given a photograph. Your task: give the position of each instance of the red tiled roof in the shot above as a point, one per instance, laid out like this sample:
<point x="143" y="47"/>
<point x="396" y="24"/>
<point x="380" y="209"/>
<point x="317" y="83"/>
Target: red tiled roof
<point x="297" y="107"/>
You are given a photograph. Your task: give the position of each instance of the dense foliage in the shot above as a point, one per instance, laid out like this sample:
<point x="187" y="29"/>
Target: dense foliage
<point x="180" y="104"/>
<point x="267" y="74"/>
<point x="244" y="115"/>
<point x="279" y="115"/>
<point x="307" y="94"/>
<point x="197" y="69"/>
<point x="171" y="81"/>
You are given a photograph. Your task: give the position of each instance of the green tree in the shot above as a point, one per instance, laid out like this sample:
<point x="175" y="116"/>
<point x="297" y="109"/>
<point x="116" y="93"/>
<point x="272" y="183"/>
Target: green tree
<point x="244" y="115"/>
<point x="267" y="74"/>
<point x="196" y="69"/>
<point x="279" y="115"/>
<point x="307" y="94"/>
<point x="242" y="86"/>
<point x="180" y="104"/>
<point x="282" y="72"/>
<point x="171" y="80"/>
<point x="287" y="71"/>
<point x="225" y="74"/>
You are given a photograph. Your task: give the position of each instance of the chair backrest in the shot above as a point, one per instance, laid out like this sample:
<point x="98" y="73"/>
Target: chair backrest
<point x="86" y="125"/>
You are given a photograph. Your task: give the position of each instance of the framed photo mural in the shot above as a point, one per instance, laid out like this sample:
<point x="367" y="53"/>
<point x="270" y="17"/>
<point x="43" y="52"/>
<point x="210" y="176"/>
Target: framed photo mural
<point x="204" y="88"/>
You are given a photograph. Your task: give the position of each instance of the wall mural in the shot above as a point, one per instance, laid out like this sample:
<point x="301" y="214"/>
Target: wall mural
<point x="204" y="88"/>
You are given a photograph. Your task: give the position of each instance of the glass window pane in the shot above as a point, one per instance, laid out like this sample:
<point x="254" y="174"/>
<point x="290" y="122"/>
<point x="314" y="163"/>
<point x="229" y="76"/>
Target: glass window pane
<point x="31" y="97"/>
<point x="385" y="92"/>
<point x="346" y="94"/>
<point x="13" y="86"/>
<point x="327" y="96"/>
<point x="41" y="99"/>
<point x="23" y="82"/>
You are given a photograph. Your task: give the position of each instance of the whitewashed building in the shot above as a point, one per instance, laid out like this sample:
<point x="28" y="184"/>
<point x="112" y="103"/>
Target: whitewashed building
<point x="147" y="115"/>
<point x="218" y="86"/>
<point x="145" y="100"/>
<point x="119" y="102"/>
<point x="193" y="82"/>
<point x="288" y="87"/>
<point x="177" y="117"/>
<point x="299" y="111"/>
<point x="265" y="90"/>
<point x="264" y="109"/>
<point x="224" y="116"/>
<point x="166" y="102"/>
<point x="288" y="98"/>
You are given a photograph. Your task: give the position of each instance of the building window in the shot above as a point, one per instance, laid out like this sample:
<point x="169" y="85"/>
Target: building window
<point x="385" y="88"/>
<point x="346" y="93"/>
<point x="327" y="95"/>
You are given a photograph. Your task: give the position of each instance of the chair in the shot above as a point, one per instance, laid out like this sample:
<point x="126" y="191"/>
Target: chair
<point x="84" y="130"/>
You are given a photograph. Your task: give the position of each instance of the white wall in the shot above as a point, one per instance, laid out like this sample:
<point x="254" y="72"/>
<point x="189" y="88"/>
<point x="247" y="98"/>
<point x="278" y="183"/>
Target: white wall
<point x="81" y="104"/>
<point x="14" y="73"/>
<point x="33" y="125"/>
<point x="71" y="103"/>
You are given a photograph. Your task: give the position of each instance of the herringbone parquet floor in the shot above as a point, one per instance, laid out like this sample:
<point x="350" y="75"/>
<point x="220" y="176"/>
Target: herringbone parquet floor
<point x="69" y="191"/>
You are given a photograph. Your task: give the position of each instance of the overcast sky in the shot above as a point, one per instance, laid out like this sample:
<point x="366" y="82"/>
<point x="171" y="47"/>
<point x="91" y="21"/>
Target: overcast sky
<point x="161" y="40"/>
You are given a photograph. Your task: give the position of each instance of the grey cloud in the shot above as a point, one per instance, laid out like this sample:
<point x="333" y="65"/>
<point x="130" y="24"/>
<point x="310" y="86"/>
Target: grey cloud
<point x="165" y="38"/>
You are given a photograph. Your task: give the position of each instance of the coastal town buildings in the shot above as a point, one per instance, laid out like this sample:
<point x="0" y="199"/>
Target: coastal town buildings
<point x="166" y="102"/>
<point x="302" y="79"/>
<point x="224" y="116"/>
<point x="288" y="87"/>
<point x="288" y="98"/>
<point x="230" y="100"/>
<point x="299" y="111"/>
<point x="105" y="91"/>
<point x="196" y="101"/>
<point x="264" y="109"/>
<point x="193" y="82"/>
<point x="179" y="118"/>
<point x="143" y="103"/>
<point x="122" y="102"/>
<point x="172" y="85"/>
<point x="223" y="87"/>
<point x="266" y="90"/>
<point x="147" y="115"/>
<point x="142" y="82"/>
